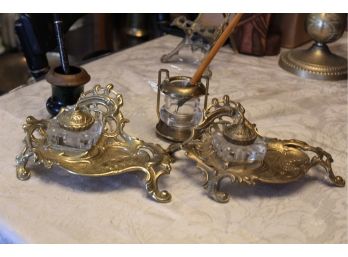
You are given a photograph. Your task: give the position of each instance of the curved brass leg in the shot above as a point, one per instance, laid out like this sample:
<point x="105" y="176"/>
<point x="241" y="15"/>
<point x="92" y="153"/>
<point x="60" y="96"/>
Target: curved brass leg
<point x="213" y="187"/>
<point x="152" y="186"/>
<point x="326" y="164"/>
<point x="21" y="160"/>
<point x="22" y="173"/>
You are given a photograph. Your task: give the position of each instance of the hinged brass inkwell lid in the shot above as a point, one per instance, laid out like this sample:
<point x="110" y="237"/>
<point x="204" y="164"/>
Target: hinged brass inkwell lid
<point x="242" y="133"/>
<point x="75" y="120"/>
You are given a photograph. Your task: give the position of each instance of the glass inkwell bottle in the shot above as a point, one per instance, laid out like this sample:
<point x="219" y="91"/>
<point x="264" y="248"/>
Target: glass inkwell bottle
<point x="74" y="130"/>
<point x="238" y="145"/>
<point x="181" y="111"/>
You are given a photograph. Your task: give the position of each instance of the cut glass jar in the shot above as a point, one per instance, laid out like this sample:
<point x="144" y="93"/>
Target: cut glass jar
<point x="74" y="130"/>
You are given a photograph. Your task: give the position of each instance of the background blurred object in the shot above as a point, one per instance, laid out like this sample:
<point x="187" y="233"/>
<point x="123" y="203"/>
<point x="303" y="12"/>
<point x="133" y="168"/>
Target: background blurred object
<point x="200" y="35"/>
<point x="13" y="71"/>
<point x="253" y="35"/>
<point x="87" y="36"/>
<point x="13" y="67"/>
<point x="7" y="33"/>
<point x="90" y="36"/>
<point x="290" y="27"/>
<point x="96" y="31"/>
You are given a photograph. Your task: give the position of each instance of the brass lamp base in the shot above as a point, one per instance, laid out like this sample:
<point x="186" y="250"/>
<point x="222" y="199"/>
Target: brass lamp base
<point x="317" y="62"/>
<point x="171" y="133"/>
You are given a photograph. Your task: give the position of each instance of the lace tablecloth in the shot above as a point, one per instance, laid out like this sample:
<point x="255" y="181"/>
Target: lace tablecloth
<point x="56" y="207"/>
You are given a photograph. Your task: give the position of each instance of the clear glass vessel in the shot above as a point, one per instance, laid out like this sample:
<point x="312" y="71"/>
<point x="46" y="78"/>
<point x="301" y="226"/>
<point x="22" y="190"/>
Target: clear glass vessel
<point x="239" y="155"/>
<point x="182" y="109"/>
<point x="186" y="115"/>
<point x="77" y="139"/>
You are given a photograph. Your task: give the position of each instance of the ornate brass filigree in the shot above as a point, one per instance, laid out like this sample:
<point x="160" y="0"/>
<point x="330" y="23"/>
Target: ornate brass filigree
<point x="285" y="160"/>
<point x="114" y="153"/>
<point x="76" y="121"/>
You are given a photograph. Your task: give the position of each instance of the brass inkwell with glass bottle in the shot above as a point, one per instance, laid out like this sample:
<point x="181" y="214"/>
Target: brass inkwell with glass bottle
<point x="88" y="139"/>
<point x="181" y="110"/>
<point x="225" y="145"/>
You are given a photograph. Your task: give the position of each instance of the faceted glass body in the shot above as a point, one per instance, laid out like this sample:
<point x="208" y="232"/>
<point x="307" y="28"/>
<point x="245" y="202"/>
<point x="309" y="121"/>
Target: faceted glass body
<point x="181" y="112"/>
<point x="73" y="141"/>
<point x="233" y="154"/>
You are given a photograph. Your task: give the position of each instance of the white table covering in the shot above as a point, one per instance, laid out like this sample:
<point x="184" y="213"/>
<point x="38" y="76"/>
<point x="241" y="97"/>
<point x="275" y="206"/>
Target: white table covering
<point x="56" y="207"/>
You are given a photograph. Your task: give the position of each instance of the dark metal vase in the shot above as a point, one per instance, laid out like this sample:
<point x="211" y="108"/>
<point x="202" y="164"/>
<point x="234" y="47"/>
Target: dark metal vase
<point x="66" y="88"/>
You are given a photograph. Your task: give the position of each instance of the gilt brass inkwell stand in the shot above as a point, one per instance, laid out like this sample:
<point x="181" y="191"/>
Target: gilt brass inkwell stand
<point x="225" y="145"/>
<point x="88" y="139"/>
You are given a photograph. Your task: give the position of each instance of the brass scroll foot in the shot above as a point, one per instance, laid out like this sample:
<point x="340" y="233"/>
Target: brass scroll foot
<point x="21" y="160"/>
<point x="152" y="186"/>
<point x="22" y="173"/>
<point x="213" y="187"/>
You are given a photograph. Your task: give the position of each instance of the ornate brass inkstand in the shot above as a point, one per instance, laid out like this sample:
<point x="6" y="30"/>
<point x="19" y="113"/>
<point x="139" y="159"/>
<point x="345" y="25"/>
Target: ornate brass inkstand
<point x="88" y="139"/>
<point x="226" y="145"/>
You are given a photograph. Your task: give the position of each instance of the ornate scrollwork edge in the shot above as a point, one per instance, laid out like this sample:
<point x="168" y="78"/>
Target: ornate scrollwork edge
<point x="322" y="158"/>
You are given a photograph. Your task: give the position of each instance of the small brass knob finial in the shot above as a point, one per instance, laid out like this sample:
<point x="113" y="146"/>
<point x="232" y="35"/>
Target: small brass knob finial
<point x="242" y="133"/>
<point x="75" y="120"/>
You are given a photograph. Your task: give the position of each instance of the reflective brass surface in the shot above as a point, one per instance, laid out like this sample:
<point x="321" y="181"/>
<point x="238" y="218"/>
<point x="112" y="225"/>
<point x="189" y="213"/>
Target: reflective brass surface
<point x="325" y="27"/>
<point x="180" y="86"/>
<point x="241" y="133"/>
<point x="285" y="161"/>
<point x="115" y="152"/>
<point x="318" y="62"/>
<point x="75" y="121"/>
<point x="172" y="134"/>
